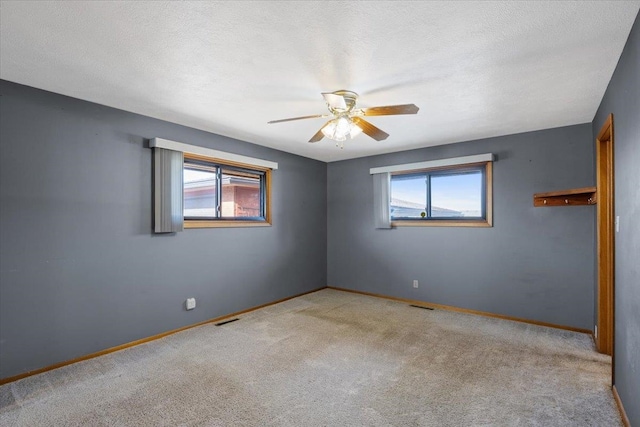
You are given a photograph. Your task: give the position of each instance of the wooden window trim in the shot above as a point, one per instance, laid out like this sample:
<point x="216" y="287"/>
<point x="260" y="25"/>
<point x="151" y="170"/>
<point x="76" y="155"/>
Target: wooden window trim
<point x="488" y="222"/>
<point x="197" y="223"/>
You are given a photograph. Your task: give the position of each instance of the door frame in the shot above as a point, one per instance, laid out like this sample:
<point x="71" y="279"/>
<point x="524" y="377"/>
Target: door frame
<point x="605" y="239"/>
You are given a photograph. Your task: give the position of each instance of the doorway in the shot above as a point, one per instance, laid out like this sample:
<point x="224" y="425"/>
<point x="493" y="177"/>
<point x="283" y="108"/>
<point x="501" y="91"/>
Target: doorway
<point x="605" y="238"/>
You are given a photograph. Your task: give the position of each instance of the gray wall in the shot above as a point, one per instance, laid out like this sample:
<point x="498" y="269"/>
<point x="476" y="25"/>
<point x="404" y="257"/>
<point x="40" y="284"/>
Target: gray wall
<point x="535" y="263"/>
<point x="80" y="269"/>
<point x="622" y="98"/>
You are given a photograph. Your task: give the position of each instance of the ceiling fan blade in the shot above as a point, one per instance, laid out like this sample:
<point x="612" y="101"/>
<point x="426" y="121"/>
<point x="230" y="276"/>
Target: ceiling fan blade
<point x="315" y="116"/>
<point x="318" y="136"/>
<point x="370" y="129"/>
<point x="391" y="110"/>
<point x="335" y="101"/>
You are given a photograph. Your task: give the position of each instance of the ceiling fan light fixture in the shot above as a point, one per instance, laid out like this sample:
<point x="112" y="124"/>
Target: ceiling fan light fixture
<point x="340" y="128"/>
<point x="330" y="129"/>
<point x="343" y="126"/>
<point x="355" y="130"/>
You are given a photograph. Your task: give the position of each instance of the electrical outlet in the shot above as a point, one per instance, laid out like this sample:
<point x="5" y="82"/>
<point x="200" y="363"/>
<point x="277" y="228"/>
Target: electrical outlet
<point x="415" y="283"/>
<point x="190" y="303"/>
<point x="617" y="224"/>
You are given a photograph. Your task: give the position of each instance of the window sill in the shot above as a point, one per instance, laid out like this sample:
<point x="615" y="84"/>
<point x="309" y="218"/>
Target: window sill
<point x="444" y="223"/>
<point x="225" y="224"/>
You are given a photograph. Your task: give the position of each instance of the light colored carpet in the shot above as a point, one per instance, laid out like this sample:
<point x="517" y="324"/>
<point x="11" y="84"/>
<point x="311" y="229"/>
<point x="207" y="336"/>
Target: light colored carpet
<point x="332" y="358"/>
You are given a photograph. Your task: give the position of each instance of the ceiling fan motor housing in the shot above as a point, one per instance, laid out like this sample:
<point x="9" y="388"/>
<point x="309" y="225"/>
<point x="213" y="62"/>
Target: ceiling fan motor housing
<point x="350" y="99"/>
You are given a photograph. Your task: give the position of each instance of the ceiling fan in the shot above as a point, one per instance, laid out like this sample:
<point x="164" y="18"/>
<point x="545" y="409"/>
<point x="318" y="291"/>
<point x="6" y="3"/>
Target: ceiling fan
<point x="347" y="121"/>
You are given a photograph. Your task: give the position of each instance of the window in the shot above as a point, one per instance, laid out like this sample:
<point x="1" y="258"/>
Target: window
<point x="221" y="194"/>
<point x="451" y="196"/>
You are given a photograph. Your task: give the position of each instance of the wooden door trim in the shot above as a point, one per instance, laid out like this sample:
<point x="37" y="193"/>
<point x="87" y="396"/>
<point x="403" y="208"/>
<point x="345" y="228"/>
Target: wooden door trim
<point x="605" y="237"/>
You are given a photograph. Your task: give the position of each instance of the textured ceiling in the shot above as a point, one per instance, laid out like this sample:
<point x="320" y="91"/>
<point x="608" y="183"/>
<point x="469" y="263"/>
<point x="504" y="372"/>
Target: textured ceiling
<point x="475" y="69"/>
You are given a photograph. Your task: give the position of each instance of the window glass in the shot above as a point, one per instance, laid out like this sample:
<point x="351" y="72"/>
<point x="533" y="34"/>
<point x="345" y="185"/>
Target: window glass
<point x="240" y="194"/>
<point x="408" y="196"/>
<point x="215" y="192"/>
<point x="200" y="191"/>
<point x="456" y="195"/>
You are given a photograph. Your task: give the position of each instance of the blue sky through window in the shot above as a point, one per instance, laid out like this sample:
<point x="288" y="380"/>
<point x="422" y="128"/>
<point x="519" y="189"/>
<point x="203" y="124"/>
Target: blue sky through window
<point x="461" y="193"/>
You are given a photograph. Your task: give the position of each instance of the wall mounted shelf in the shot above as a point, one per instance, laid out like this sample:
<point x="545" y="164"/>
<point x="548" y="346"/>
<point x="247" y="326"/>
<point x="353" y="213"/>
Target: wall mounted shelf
<point x="573" y="197"/>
